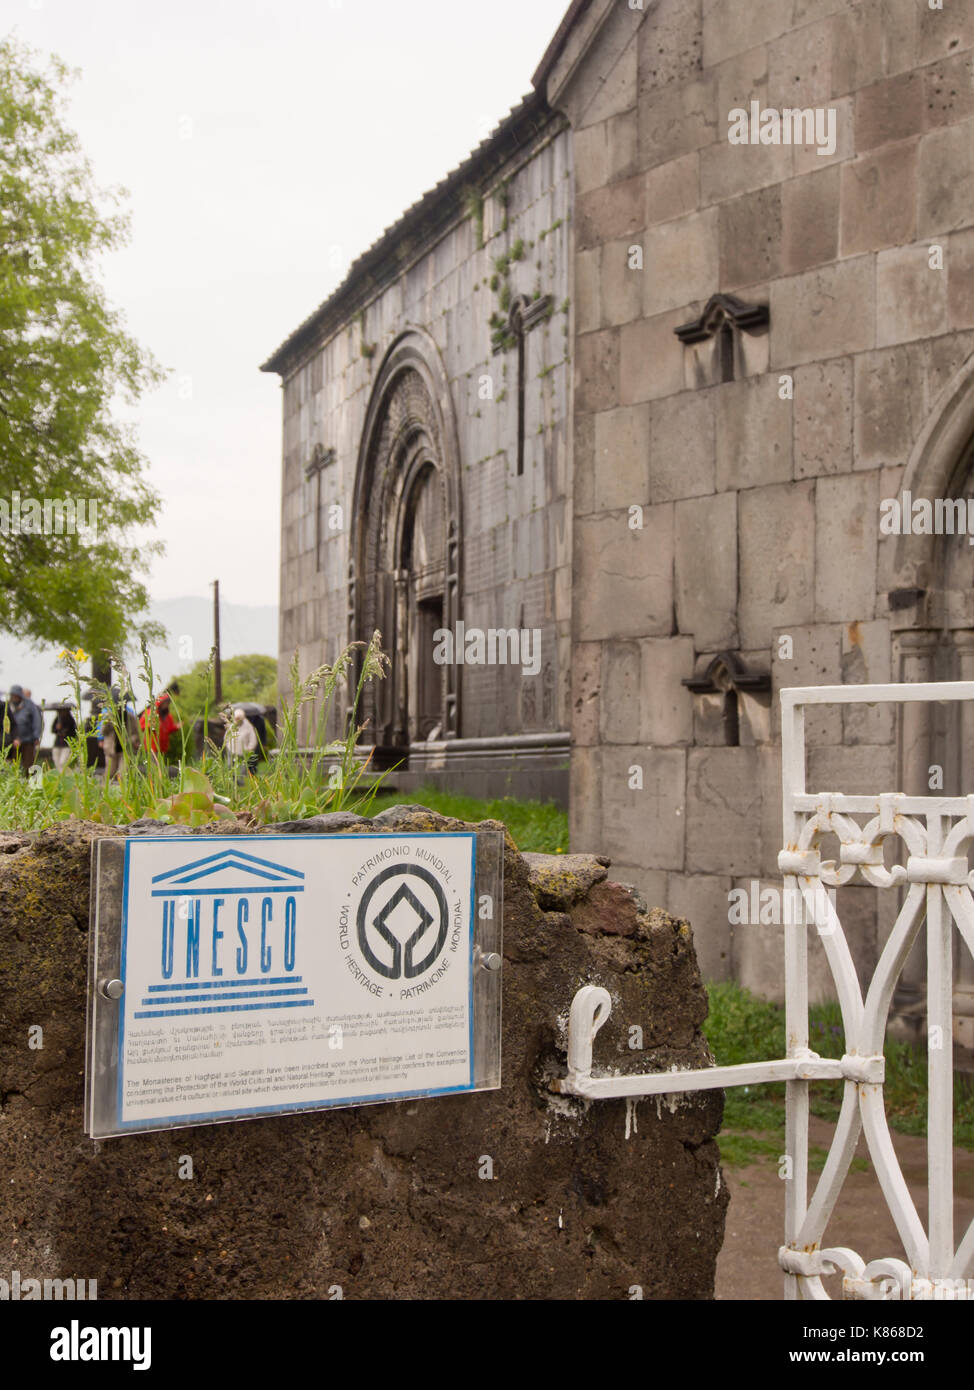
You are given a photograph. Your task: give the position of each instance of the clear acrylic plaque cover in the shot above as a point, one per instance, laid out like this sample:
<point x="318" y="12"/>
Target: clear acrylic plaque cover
<point x="231" y="977"/>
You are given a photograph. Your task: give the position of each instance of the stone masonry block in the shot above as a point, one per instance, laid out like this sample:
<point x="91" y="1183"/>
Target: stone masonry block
<point x="878" y="199"/>
<point x="679" y="118"/>
<point x="740" y="80"/>
<point x="624" y="578"/>
<point x="588" y="291"/>
<point x="583" y="455"/>
<point x="622" y="457"/>
<point x="682" y="454"/>
<point x="673" y="189"/>
<point x="890" y="110"/>
<point x="846" y="536"/>
<point x="823" y="418"/>
<point x="823" y="313"/>
<point x="944" y="31"/>
<point x="703" y="900"/>
<point x="946" y="181"/>
<point x="800" y="67"/>
<point x="777" y="573"/>
<point x="621" y="672"/>
<point x="680" y="260"/>
<point x="724" y="799"/>
<point x="733" y="26"/>
<point x="670" y="45"/>
<point x="911" y="298"/>
<point x="959" y="258"/>
<point x="623" y="145"/>
<point x="586" y="692"/>
<point x="815" y="659"/>
<point x="860" y="771"/>
<point x="666" y="706"/>
<point x="591" y="148"/>
<point x="889" y="406"/>
<point x="727" y="171"/>
<point x="706" y="570"/>
<point x="867" y="660"/>
<point x="644" y="824"/>
<point x="610" y="213"/>
<point x="585" y="807"/>
<point x="622" y="286"/>
<point x="651" y="358"/>
<point x="810" y="220"/>
<point x="811" y="158"/>
<point x="754" y="434"/>
<point x="750" y="238"/>
<point x="948" y="91"/>
<point x="871" y="40"/>
<point x="597" y="370"/>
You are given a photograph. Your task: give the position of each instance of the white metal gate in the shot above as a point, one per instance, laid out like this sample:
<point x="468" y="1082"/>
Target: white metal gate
<point x="936" y="833"/>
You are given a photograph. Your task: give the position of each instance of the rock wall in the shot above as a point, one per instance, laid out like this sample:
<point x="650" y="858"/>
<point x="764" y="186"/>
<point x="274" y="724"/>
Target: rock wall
<point x="382" y="1201"/>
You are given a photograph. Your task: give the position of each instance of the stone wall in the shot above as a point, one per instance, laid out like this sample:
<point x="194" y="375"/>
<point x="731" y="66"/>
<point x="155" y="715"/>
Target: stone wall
<point x="759" y="483"/>
<point x="515" y="531"/>
<point x="382" y="1201"/>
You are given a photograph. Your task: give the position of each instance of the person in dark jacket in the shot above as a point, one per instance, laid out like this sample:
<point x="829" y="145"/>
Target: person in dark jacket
<point x="26" y="728"/>
<point x="63" y="728"/>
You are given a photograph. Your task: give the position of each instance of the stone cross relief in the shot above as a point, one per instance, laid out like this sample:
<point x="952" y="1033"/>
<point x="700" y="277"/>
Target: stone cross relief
<point x="525" y="314"/>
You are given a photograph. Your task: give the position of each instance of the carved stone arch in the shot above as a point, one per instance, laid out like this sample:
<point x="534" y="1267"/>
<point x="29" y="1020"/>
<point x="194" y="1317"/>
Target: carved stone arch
<point x="938" y="466"/>
<point x="931" y="600"/>
<point x="408" y="474"/>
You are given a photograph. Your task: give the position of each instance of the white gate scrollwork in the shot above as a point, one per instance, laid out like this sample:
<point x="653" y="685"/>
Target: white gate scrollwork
<point x="936" y="834"/>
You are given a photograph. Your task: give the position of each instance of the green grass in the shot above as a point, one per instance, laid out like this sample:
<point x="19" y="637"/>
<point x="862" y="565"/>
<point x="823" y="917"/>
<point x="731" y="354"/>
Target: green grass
<point x="536" y="827"/>
<point x="211" y="788"/>
<point x="742" y="1028"/>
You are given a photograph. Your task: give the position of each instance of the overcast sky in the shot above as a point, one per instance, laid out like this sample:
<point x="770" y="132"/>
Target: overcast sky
<point x="264" y="144"/>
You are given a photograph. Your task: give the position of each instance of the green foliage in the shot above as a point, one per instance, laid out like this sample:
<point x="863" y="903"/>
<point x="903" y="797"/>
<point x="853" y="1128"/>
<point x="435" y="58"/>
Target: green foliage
<point x="536" y="827"/>
<point x="215" y="787"/>
<point x="249" y="679"/>
<point x="64" y="356"/>
<point x="743" y="1028"/>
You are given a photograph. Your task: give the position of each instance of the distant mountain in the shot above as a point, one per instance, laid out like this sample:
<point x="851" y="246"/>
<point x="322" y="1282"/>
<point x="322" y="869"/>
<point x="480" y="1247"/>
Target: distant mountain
<point x="244" y="629"/>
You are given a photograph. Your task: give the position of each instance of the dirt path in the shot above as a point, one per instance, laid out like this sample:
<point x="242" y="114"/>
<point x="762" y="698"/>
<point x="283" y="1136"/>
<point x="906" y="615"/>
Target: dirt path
<point x="748" y="1266"/>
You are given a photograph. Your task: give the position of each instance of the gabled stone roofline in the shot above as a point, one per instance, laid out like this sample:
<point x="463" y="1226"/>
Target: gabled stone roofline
<point x="419" y="228"/>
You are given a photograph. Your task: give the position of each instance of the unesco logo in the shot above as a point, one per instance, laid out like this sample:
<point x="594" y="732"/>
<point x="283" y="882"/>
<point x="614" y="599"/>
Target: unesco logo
<point x="402" y="922"/>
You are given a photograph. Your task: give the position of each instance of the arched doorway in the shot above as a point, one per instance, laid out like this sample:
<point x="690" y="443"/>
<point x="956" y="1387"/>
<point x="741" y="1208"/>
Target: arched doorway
<point x="931" y="602"/>
<point x="404" y="576"/>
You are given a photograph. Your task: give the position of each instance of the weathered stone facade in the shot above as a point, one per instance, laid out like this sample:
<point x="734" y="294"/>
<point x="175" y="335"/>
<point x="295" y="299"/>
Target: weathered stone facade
<point x="759" y="453"/>
<point x="768" y="342"/>
<point x="426" y="467"/>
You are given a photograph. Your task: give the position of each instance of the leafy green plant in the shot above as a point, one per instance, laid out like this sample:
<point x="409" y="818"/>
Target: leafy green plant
<point x="743" y="1028"/>
<point x="296" y="783"/>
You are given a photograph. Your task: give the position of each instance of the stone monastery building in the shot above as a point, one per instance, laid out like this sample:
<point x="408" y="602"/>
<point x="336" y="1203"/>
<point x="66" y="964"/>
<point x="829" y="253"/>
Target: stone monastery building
<point x="628" y="406"/>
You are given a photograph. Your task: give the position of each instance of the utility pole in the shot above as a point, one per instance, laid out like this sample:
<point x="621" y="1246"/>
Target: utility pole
<point x="217" y="669"/>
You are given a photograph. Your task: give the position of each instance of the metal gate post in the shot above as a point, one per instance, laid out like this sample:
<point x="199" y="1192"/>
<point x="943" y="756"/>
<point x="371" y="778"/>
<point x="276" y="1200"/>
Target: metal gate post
<point x="936" y="833"/>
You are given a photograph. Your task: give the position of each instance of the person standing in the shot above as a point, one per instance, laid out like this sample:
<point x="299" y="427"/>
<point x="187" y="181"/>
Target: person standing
<point x="157" y="740"/>
<point x="64" y="728"/>
<point x="26" y="727"/>
<point x="108" y="735"/>
<point x="240" y="741"/>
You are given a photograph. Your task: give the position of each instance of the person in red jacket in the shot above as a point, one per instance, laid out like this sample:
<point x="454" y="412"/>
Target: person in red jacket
<point x="156" y="740"/>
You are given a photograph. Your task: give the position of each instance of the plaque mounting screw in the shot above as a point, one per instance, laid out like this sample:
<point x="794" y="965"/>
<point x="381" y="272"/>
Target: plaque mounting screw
<point x="112" y="989"/>
<point x="491" y="960"/>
